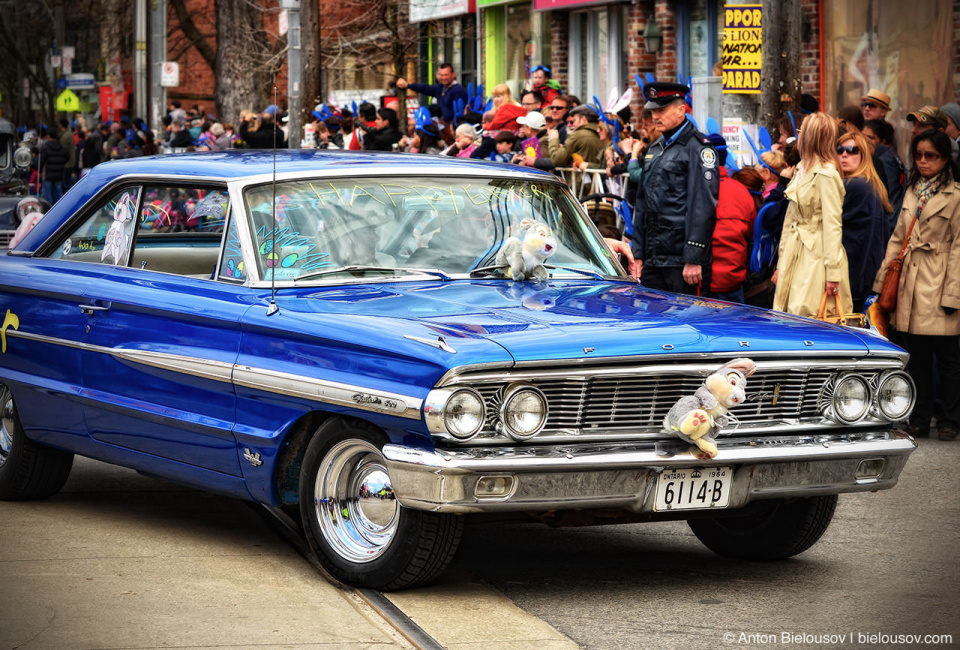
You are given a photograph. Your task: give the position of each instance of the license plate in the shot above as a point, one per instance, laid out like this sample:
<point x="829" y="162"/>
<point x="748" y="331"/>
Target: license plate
<point x="694" y="488"/>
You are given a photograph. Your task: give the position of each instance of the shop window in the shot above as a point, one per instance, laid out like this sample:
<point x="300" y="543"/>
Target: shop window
<point x="700" y="34"/>
<point x="905" y="50"/>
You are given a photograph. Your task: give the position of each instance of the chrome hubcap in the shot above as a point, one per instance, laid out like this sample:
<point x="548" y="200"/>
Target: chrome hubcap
<point x="354" y="500"/>
<point x="6" y="426"/>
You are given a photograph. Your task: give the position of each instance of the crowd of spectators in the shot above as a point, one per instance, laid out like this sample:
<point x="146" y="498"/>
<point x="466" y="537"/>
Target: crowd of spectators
<point x="824" y="210"/>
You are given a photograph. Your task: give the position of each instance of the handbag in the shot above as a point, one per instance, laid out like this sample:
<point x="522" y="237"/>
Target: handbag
<point x="891" y="281"/>
<point x="847" y="320"/>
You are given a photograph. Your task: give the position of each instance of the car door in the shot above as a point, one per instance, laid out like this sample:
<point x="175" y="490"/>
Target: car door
<point x="40" y="344"/>
<point x="162" y="335"/>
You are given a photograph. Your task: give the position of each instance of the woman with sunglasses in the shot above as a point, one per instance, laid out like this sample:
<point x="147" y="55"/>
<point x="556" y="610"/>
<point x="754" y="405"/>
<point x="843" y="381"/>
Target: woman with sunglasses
<point x="811" y="257"/>
<point x="926" y="319"/>
<point x="865" y="209"/>
<point x="541" y="77"/>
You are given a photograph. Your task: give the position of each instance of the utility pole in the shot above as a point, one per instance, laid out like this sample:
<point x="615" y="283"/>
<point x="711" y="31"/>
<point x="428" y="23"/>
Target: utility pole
<point x="158" y="54"/>
<point x="140" y="59"/>
<point x="781" y="81"/>
<point x="292" y="8"/>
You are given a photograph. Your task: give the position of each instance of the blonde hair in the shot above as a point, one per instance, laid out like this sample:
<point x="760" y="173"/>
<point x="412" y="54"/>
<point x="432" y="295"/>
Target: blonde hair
<point x="468" y="131"/>
<point x="504" y="89"/>
<point x="774" y="159"/>
<point x="817" y="141"/>
<point x="865" y="169"/>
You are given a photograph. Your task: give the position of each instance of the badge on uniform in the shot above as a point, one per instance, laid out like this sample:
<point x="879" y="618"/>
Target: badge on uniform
<point x="709" y="158"/>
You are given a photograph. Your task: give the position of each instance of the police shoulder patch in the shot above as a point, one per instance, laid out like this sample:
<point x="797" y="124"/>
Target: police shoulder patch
<point x="708" y="157"/>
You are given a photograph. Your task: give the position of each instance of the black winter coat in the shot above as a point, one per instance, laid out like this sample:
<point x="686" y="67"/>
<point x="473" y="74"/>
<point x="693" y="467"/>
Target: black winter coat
<point x="676" y="208"/>
<point x="864" y="236"/>
<point x="53" y="160"/>
<point x="381" y="139"/>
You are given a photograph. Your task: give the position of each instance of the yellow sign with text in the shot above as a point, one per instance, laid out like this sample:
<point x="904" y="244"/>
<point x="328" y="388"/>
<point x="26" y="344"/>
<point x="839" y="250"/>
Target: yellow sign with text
<point x="742" y="48"/>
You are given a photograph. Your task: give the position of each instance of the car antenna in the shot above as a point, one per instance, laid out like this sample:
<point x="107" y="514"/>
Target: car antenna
<point x="273" y="309"/>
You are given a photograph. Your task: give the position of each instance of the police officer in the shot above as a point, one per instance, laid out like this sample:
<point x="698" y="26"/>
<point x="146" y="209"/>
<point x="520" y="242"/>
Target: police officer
<point x="676" y="206"/>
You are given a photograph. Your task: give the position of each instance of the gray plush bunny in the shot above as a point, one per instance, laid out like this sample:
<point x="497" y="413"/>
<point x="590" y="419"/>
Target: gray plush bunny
<point x="698" y="418"/>
<point x="524" y="258"/>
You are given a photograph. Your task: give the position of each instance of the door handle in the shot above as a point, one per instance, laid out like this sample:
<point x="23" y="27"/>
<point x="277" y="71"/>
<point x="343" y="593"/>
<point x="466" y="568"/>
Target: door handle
<point x="90" y="309"/>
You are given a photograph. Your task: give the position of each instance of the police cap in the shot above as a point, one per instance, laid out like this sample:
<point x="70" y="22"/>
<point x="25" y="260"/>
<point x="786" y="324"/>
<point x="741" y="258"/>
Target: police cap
<point x="660" y="93"/>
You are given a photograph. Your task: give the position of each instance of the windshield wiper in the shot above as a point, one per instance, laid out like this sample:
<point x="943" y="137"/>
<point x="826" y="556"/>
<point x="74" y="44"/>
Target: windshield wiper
<point x="360" y="268"/>
<point x="572" y="269"/>
<point x="487" y="270"/>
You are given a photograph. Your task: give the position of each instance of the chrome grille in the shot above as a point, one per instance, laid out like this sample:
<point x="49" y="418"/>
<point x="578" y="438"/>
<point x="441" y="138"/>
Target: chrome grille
<point x="609" y="402"/>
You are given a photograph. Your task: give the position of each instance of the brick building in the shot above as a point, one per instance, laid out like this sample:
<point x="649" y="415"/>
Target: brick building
<point x="909" y="50"/>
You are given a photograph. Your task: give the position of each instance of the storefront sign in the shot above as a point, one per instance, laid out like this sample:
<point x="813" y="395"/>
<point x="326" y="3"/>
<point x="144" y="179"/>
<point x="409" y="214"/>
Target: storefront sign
<point x="742" y="52"/>
<point x="421" y="10"/>
<point x="547" y="5"/>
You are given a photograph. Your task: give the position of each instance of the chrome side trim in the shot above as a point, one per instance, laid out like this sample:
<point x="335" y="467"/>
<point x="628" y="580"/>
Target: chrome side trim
<point x="329" y="392"/>
<point x="283" y="383"/>
<point x="195" y="366"/>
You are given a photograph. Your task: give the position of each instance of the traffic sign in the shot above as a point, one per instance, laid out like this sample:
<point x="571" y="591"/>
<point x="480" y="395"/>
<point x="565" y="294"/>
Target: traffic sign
<point x="68" y="102"/>
<point x="169" y="73"/>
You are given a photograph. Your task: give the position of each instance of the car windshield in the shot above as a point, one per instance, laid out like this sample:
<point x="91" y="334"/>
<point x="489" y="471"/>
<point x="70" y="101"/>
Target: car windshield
<point x="378" y="227"/>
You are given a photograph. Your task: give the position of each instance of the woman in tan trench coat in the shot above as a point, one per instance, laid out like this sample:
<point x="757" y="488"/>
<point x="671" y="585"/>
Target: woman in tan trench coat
<point x="812" y="259"/>
<point x="927" y="317"/>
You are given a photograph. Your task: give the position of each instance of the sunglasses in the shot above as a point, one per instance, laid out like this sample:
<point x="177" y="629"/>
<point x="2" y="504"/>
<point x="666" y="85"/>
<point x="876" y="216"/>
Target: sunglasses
<point x="869" y="105"/>
<point x="932" y="156"/>
<point x="853" y="150"/>
<point x="558" y="108"/>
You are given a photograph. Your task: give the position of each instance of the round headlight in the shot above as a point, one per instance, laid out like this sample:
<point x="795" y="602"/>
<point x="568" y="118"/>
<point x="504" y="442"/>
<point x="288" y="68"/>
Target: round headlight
<point x="463" y="414"/>
<point x="895" y="396"/>
<point x="851" y="399"/>
<point x="524" y="412"/>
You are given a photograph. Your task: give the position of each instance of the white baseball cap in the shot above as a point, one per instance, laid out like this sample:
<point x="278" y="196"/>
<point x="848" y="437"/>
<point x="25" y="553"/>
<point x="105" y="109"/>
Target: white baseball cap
<point x="533" y="119"/>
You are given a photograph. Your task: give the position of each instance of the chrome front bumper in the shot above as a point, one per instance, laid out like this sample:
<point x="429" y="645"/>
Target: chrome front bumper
<point x="624" y="475"/>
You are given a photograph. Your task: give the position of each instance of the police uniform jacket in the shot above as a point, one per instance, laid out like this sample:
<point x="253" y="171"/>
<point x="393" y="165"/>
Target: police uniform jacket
<point x="676" y="208"/>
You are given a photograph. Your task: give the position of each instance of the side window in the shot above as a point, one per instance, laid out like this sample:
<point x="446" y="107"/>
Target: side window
<point x="180" y="229"/>
<point x="231" y="268"/>
<point x="105" y="236"/>
<point x="183" y="209"/>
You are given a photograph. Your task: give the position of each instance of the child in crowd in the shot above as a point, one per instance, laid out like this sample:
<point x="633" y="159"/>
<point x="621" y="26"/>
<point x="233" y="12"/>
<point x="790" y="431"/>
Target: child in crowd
<point x="506" y="140"/>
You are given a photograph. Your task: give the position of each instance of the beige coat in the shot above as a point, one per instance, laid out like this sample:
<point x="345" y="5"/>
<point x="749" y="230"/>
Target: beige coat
<point x="811" y="247"/>
<point x="930" y="279"/>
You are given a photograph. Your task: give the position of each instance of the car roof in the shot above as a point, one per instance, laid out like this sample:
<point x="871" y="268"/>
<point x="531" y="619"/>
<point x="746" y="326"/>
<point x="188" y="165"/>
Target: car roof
<point x="239" y="163"/>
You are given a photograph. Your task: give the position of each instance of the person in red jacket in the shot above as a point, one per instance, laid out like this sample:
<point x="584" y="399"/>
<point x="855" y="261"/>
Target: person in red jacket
<point x="736" y="211"/>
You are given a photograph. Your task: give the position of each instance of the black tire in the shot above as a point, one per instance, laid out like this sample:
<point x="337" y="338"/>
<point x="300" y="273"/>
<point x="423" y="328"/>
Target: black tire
<point x="371" y="542"/>
<point x="769" y="530"/>
<point x="27" y="470"/>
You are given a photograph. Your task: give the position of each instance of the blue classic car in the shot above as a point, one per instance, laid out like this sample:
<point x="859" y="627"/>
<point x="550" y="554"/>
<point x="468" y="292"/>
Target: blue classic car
<point x="332" y="334"/>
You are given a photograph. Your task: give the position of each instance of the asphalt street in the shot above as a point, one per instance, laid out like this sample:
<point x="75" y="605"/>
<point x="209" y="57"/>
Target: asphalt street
<point x="887" y="565"/>
<point x="119" y="560"/>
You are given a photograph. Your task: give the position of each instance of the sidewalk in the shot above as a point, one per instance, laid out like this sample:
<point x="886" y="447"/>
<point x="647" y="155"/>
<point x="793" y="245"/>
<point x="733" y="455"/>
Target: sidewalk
<point x="119" y="560"/>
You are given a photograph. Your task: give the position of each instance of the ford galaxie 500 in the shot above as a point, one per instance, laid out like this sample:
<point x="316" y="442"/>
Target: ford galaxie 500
<point x="336" y="338"/>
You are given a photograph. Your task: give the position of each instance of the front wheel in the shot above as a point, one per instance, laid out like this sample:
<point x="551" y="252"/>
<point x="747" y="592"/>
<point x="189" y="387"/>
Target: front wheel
<point x="359" y="532"/>
<point x="27" y="470"/>
<point x="769" y="530"/>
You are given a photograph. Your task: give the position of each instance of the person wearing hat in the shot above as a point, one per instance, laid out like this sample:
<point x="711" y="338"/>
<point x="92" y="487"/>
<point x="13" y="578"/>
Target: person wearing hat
<point x="736" y="211"/>
<point x="534" y="144"/>
<point x="268" y="136"/>
<point x="676" y="208"/>
<point x="926" y="117"/>
<point x="875" y="105"/>
<point x="952" y="112"/>
<point x="583" y="139"/>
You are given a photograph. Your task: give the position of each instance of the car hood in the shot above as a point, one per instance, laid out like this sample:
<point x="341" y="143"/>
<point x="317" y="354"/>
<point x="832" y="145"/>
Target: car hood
<point x="568" y="320"/>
